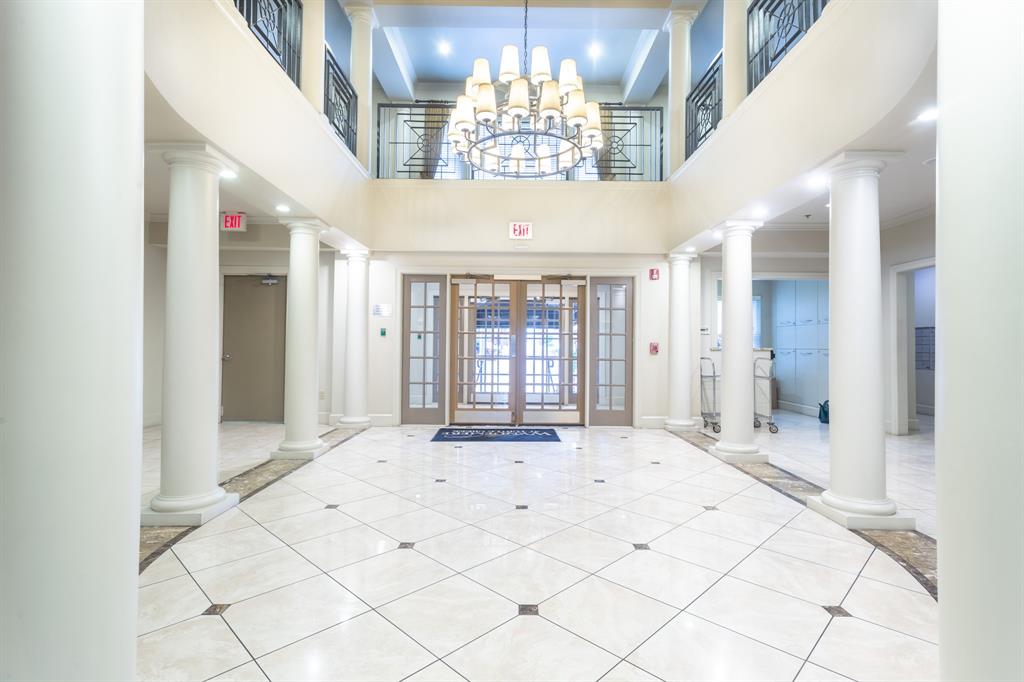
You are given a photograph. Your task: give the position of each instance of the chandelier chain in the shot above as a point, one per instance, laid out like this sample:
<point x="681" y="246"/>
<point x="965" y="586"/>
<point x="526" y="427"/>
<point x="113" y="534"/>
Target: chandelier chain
<point x="526" y="14"/>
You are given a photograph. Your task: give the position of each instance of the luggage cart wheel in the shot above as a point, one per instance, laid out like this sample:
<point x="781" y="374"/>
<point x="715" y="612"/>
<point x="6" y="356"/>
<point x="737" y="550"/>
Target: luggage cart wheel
<point x="705" y="423"/>
<point x="773" y="428"/>
<point x="757" y="423"/>
<point x="717" y="428"/>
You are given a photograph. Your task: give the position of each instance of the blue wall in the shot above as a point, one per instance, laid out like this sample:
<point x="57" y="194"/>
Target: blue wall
<point x="705" y="39"/>
<point x="339" y="34"/>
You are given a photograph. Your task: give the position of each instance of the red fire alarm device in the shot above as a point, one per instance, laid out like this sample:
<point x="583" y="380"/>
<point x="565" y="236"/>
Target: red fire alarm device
<point x="654" y="348"/>
<point x="654" y="274"/>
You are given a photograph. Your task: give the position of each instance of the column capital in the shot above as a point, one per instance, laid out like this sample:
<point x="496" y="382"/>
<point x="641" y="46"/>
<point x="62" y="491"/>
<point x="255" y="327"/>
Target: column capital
<point x="733" y="227"/>
<point x="309" y="225"/>
<point x="681" y="16"/>
<point x="362" y="14"/>
<point x="357" y="256"/>
<point x="196" y="154"/>
<point x="854" y="163"/>
<point x="681" y="257"/>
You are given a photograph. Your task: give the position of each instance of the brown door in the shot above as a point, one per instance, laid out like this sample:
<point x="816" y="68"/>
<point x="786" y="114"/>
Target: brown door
<point x="423" y="343"/>
<point x="252" y="383"/>
<point x="611" y="334"/>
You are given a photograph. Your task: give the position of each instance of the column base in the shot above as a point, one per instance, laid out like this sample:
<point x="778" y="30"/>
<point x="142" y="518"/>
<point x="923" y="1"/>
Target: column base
<point x="862" y="518"/>
<point x="189" y="517"/>
<point x="306" y="451"/>
<point x="738" y="454"/>
<point x="355" y="421"/>
<point x="683" y="424"/>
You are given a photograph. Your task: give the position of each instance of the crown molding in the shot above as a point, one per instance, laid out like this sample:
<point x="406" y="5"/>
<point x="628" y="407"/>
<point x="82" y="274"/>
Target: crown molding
<point x="912" y="216"/>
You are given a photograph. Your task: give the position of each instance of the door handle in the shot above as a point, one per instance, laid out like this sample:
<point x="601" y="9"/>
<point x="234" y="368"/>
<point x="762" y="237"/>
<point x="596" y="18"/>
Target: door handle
<point x="226" y="356"/>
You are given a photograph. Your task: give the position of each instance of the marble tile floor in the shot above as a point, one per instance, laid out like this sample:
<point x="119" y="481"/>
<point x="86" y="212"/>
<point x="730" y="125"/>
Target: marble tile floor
<point x="801" y="447"/>
<point x="394" y="558"/>
<point x="243" y="445"/>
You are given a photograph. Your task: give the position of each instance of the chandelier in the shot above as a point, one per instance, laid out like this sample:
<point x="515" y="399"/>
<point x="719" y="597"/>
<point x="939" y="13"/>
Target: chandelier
<point x="526" y="124"/>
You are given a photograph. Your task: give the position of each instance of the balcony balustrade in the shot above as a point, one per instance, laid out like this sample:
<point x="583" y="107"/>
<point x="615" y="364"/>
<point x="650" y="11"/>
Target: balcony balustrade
<point x="773" y="28"/>
<point x="704" y="107"/>
<point x="340" y="101"/>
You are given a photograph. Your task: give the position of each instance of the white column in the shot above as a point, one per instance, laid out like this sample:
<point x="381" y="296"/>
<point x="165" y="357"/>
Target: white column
<point x="680" y="351"/>
<point x="679" y="78"/>
<point x="363" y="23"/>
<point x="734" y="54"/>
<point x="356" y="319"/>
<point x="856" y="496"/>
<point x="737" y="440"/>
<point x="311" y="75"/>
<point x="300" y="361"/>
<point x="189" y="454"/>
<point x="71" y="243"/>
<point x="979" y="430"/>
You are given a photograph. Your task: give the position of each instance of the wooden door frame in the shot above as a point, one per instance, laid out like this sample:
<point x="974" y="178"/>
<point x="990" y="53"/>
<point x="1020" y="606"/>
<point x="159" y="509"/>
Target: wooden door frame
<point x="406" y="412"/>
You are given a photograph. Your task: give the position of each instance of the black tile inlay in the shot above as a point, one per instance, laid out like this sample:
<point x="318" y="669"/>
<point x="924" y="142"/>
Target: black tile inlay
<point x="579" y="447"/>
<point x="837" y="611"/>
<point x="405" y="545"/>
<point x="598" y="480"/>
<point x="458" y="447"/>
<point x="522" y="506"/>
<point x="623" y="437"/>
<point x="710" y="508"/>
<point x="331" y="506"/>
<point x="655" y="462"/>
<point x="518" y="461"/>
<point x="440" y="480"/>
<point x="382" y="461"/>
<point x="529" y="610"/>
<point x="215" y="609"/>
<point x="641" y="545"/>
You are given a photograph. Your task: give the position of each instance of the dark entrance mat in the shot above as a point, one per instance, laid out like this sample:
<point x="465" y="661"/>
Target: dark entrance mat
<point x="497" y="434"/>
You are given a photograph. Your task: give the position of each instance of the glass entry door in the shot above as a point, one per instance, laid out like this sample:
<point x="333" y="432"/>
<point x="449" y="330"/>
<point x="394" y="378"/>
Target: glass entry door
<point x="611" y="333"/>
<point x="518" y="351"/>
<point x="423" y="372"/>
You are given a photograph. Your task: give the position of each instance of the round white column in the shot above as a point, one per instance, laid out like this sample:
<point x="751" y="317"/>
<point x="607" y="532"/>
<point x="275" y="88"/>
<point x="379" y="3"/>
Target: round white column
<point x="979" y="334"/>
<point x="189" y="454"/>
<point x="313" y="62"/>
<point x="71" y="242"/>
<point x="856" y="496"/>
<point x="680" y="351"/>
<point x="734" y="54"/>
<point x="300" y="376"/>
<point x="361" y="70"/>
<point x="356" y="318"/>
<point x="679" y="24"/>
<point x="737" y="439"/>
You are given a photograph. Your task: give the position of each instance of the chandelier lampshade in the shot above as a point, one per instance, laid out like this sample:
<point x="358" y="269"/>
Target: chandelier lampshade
<point x="525" y="124"/>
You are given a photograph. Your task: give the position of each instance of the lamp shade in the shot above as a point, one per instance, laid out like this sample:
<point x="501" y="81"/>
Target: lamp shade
<point x="592" y="128"/>
<point x="576" y="108"/>
<point x="597" y="142"/>
<point x="509" y="70"/>
<point x="566" y="159"/>
<point x="518" y="158"/>
<point x="567" y="77"/>
<point x="481" y="71"/>
<point x="454" y="134"/>
<point x="463" y="118"/>
<point x="471" y="87"/>
<point x="486" y="105"/>
<point x="519" y="98"/>
<point x="550" y="100"/>
<point x="540" y="65"/>
<point x="543" y="159"/>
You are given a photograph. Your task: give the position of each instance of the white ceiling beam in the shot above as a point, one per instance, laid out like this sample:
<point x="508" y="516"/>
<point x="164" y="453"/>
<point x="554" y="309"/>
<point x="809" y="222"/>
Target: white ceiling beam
<point x="391" y="63"/>
<point x="646" y="68"/>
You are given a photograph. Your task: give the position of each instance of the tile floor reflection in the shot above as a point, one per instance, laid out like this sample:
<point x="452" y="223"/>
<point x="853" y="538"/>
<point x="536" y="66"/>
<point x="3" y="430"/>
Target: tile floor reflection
<point x="801" y="447"/>
<point x="317" y="588"/>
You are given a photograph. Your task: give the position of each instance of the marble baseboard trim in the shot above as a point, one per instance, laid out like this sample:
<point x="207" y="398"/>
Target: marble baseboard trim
<point x="911" y="549"/>
<point x="155" y="540"/>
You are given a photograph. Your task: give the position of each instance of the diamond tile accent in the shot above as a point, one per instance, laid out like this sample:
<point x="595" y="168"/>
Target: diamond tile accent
<point x="217" y="609"/>
<point x="837" y="611"/>
<point x="599" y="480"/>
<point x="406" y="545"/>
<point x="522" y="506"/>
<point x="519" y="461"/>
<point x="440" y="480"/>
<point x="330" y="506"/>
<point x="529" y="610"/>
<point x="641" y="545"/>
<point x="709" y="507"/>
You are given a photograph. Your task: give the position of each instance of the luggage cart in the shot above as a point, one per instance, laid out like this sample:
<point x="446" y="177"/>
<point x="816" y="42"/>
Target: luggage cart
<point x="764" y="372"/>
<point x="710" y="409"/>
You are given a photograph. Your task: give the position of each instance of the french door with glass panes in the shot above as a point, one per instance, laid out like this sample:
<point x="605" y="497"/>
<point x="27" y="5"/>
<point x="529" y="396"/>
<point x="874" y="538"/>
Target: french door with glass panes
<point x="423" y="374"/>
<point x="517" y="351"/>
<point x="611" y="333"/>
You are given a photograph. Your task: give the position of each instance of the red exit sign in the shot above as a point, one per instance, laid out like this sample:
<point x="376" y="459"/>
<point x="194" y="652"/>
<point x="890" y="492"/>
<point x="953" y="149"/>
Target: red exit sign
<point x="232" y="222"/>
<point x="520" y="230"/>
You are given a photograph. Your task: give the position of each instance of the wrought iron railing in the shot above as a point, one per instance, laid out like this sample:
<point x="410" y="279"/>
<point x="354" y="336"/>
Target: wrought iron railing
<point x="704" y="106"/>
<point x="340" y="100"/>
<point x="277" y="24"/>
<point x="773" y="28"/>
<point x="412" y="142"/>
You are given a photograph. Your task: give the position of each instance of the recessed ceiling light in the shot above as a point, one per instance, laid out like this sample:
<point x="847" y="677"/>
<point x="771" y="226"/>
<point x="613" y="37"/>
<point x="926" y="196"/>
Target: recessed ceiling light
<point x="690" y="249"/>
<point x="717" y="234"/>
<point x="828" y="205"/>
<point x="929" y="114"/>
<point x="282" y="208"/>
<point x="228" y="174"/>
<point x="760" y="212"/>
<point x="818" y="181"/>
<point x="595" y="50"/>
<point x="444" y="48"/>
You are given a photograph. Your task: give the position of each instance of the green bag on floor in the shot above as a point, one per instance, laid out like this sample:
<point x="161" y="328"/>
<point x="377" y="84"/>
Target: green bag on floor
<point x="823" y="412"/>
